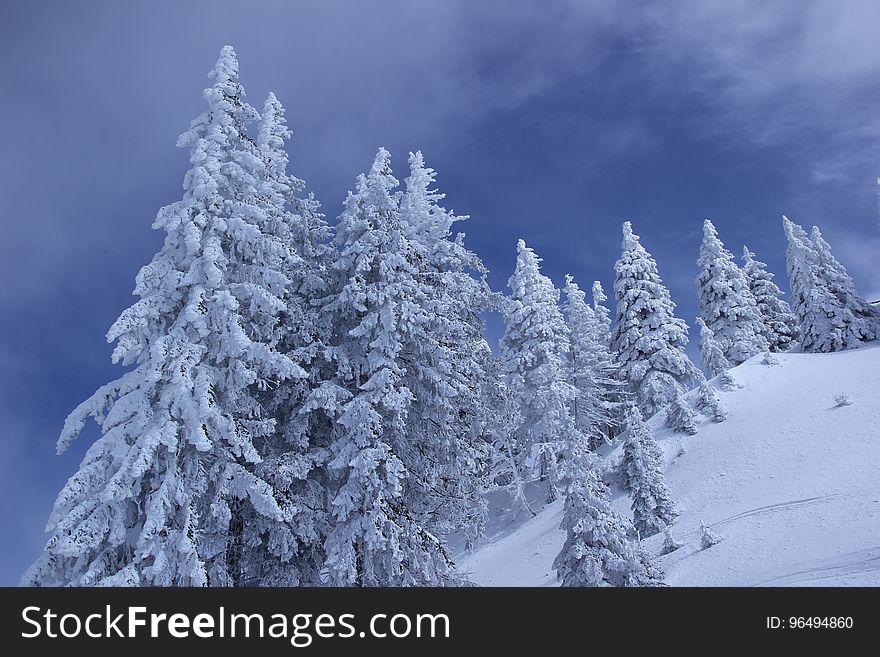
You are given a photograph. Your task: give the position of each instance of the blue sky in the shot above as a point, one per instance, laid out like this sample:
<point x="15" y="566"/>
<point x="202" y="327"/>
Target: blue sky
<point x="550" y="121"/>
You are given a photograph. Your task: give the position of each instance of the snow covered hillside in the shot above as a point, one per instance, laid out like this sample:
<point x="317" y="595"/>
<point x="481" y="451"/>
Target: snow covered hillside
<point x="789" y="480"/>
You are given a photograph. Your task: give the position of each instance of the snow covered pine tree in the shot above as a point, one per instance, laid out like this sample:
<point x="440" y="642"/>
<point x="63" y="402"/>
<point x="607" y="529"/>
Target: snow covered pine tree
<point x="534" y="348"/>
<point x="652" y="504"/>
<point x="648" y="339"/>
<point x="832" y="315"/>
<point x="290" y="551"/>
<point x="726" y="302"/>
<point x="162" y="496"/>
<point x="600" y="545"/>
<point x="780" y="324"/>
<point x="597" y="407"/>
<point x="446" y="359"/>
<point x="378" y="306"/>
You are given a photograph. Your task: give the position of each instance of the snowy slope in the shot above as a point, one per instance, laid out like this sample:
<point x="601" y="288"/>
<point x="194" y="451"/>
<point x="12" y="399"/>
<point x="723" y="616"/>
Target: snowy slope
<point x="790" y="481"/>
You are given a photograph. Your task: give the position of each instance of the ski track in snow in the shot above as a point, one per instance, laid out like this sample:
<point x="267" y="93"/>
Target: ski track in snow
<point x="860" y="561"/>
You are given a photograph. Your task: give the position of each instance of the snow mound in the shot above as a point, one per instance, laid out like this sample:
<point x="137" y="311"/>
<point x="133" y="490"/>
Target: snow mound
<point x="789" y="482"/>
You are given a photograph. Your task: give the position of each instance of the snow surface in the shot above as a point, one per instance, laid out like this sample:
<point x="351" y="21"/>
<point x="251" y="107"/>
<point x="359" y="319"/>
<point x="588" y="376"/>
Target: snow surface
<point x="790" y="481"/>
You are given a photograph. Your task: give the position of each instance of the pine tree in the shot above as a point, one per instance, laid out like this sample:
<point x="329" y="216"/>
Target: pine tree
<point x="648" y="340"/>
<point x="862" y="320"/>
<point x="376" y="540"/>
<point x="713" y="357"/>
<point x="680" y="417"/>
<point x="290" y="552"/>
<point x="603" y="315"/>
<point x="614" y="389"/>
<point x="669" y="542"/>
<point x="708" y="538"/>
<point x="832" y="316"/>
<point x="533" y="349"/>
<point x="446" y="359"/>
<point x="599" y="548"/>
<point x="709" y="404"/>
<point x="652" y="504"/>
<point x="726" y="302"/>
<point x="162" y="496"/>
<point x="780" y="324"/>
<point x="596" y="408"/>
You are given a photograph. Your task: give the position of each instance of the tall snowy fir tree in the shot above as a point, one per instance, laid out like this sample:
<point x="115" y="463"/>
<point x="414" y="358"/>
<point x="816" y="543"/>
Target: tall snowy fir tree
<point x="162" y="495"/>
<point x="597" y="405"/>
<point x="534" y="349"/>
<point x="652" y="504"/>
<point x="648" y="339"/>
<point x="831" y="314"/>
<point x="726" y="302"/>
<point x="290" y="552"/>
<point x="780" y="324"/>
<point x="446" y="359"/>
<point x="376" y="539"/>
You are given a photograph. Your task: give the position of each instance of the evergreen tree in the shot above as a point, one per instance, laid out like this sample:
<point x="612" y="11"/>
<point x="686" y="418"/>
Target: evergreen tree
<point x="290" y="552"/>
<point x="831" y="314"/>
<point x="533" y="349"/>
<point x="596" y="408"/>
<point x="648" y="340"/>
<point x="499" y="430"/>
<point x="446" y="359"/>
<point x="726" y="302"/>
<point x="652" y="504"/>
<point x="162" y="496"/>
<point x="611" y="384"/>
<point x="680" y="417"/>
<point x="780" y="324"/>
<point x="862" y="320"/>
<point x="709" y="404"/>
<point x="708" y="538"/>
<point x="376" y="540"/>
<point x="603" y="315"/>
<point x="669" y="542"/>
<point x="713" y="357"/>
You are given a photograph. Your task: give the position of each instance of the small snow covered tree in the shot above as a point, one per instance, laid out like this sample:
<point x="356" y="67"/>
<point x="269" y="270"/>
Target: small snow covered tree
<point x="708" y="538"/>
<point x="680" y="417"/>
<point x="652" y="504"/>
<point x="162" y="496"/>
<point x="533" y="349"/>
<point x="780" y="324"/>
<point x="600" y="547"/>
<point x="669" y="542"/>
<point x="613" y="386"/>
<point x="727" y="305"/>
<point x="648" y="340"/>
<point x="376" y="540"/>
<point x="709" y="404"/>
<point x="713" y="357"/>
<point x="832" y="316"/>
<point x="596" y="409"/>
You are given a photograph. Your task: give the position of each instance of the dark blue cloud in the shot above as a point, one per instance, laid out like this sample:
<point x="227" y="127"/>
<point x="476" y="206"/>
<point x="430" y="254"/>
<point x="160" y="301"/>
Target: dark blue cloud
<point x="549" y="121"/>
